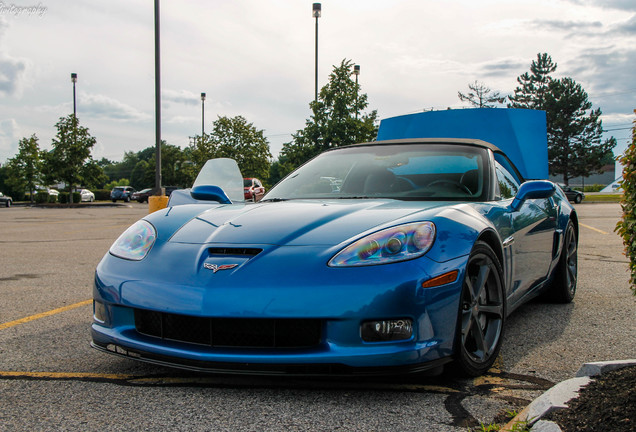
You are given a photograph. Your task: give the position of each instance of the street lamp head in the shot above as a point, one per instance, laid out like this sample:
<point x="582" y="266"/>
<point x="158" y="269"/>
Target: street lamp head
<point x="74" y="77"/>
<point x="316" y="10"/>
<point x="356" y="70"/>
<point x="202" y="96"/>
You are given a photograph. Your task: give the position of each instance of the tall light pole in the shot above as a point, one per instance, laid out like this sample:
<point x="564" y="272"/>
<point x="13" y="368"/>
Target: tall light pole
<point x="73" y="80"/>
<point x="202" y="116"/>
<point x="158" y="190"/>
<point x="356" y="72"/>
<point x="316" y="14"/>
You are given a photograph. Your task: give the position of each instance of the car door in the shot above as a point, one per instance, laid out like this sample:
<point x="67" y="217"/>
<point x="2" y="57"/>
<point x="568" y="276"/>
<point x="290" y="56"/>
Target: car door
<point x="531" y="242"/>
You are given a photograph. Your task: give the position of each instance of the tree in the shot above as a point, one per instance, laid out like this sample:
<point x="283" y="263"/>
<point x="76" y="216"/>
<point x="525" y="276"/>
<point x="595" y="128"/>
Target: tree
<point x="574" y="131"/>
<point x="237" y="139"/>
<point x="533" y="86"/>
<point x="481" y="96"/>
<point x="336" y="120"/>
<point x="24" y="168"/>
<point x="626" y="227"/>
<point x="70" y="159"/>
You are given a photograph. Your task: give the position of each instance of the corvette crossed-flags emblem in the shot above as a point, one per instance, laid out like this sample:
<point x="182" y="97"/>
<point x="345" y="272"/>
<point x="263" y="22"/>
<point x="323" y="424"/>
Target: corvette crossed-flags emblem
<point x="215" y="268"/>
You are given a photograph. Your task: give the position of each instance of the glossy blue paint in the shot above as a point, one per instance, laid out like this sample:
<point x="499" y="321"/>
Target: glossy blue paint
<point x="276" y="256"/>
<point x="520" y="133"/>
<point x="210" y="193"/>
<point x="533" y="190"/>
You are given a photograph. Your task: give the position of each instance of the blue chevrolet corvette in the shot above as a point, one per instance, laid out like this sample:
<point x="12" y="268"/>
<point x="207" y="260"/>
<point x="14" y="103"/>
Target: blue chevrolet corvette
<point x="393" y="256"/>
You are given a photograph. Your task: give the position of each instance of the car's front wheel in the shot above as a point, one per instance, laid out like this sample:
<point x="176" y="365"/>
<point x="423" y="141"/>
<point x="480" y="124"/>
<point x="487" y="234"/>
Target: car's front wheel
<point x="481" y="313"/>
<point x="578" y="199"/>
<point x="8" y="204"/>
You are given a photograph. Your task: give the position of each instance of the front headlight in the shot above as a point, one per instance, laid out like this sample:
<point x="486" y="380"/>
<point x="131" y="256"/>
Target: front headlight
<point x="135" y="243"/>
<point x="400" y="243"/>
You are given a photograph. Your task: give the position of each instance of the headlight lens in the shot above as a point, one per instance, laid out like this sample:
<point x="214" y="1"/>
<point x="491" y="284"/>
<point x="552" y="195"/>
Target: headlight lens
<point x="400" y="243"/>
<point x="135" y="243"/>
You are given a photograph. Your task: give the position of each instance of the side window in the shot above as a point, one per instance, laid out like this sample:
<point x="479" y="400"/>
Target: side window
<point x="507" y="179"/>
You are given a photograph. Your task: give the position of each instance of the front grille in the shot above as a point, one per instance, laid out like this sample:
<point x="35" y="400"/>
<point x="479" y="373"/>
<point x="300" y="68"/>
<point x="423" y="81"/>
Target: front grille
<point x="230" y="332"/>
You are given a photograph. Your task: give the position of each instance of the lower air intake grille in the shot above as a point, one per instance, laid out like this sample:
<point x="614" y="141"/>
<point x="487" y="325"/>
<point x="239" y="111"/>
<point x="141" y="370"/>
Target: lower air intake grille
<point x="230" y="332"/>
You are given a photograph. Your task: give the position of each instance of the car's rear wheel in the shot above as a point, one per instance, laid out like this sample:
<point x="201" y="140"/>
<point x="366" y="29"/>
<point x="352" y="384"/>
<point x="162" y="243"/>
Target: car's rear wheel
<point x="481" y="313"/>
<point x="563" y="286"/>
<point x="8" y="204"/>
<point x="114" y="200"/>
<point x="578" y="199"/>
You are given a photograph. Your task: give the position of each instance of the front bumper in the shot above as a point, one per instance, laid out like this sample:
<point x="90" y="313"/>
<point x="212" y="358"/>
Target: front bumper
<point x="341" y="299"/>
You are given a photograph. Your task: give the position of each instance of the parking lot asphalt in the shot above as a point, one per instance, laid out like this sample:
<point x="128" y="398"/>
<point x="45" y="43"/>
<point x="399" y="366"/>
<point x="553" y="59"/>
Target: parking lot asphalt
<point x="51" y="379"/>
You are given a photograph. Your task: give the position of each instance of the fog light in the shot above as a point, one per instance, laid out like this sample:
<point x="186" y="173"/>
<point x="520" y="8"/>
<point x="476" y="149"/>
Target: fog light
<point x="387" y="330"/>
<point x="99" y="312"/>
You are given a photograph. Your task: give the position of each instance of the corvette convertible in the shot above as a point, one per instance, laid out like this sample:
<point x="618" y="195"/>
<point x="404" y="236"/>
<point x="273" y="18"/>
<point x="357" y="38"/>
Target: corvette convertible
<point x="387" y="257"/>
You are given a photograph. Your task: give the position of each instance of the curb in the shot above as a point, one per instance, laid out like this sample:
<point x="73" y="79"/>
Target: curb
<point x="557" y="397"/>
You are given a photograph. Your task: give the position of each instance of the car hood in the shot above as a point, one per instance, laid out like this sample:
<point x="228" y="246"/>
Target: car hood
<point x="297" y="223"/>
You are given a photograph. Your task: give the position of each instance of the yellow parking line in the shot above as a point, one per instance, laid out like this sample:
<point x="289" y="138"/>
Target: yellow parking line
<point x="65" y="375"/>
<point x="44" y="314"/>
<point x="592" y="228"/>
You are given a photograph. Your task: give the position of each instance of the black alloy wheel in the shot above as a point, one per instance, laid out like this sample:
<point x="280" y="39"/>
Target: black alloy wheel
<point x="481" y="314"/>
<point x="563" y="286"/>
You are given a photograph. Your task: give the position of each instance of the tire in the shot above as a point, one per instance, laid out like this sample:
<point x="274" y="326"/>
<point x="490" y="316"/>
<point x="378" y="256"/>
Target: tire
<point x="8" y="203"/>
<point x="114" y="200"/>
<point x="563" y="286"/>
<point x="578" y="199"/>
<point x="126" y="199"/>
<point x="482" y="313"/>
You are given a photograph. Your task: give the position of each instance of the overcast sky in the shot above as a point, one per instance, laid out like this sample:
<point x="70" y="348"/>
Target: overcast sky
<point x="255" y="58"/>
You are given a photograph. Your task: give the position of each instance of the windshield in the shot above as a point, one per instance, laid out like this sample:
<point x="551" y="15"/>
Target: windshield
<point x="399" y="171"/>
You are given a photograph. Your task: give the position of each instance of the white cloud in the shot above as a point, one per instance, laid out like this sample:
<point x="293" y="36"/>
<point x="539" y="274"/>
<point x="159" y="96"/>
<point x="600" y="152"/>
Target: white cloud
<point x="101" y="106"/>
<point x="12" y="69"/>
<point x="9" y="133"/>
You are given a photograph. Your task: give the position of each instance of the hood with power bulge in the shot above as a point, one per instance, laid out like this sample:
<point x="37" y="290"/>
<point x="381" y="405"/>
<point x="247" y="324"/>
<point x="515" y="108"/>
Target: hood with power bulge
<point x="298" y="223"/>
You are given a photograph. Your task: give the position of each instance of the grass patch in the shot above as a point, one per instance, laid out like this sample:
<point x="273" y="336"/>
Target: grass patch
<point x="603" y="198"/>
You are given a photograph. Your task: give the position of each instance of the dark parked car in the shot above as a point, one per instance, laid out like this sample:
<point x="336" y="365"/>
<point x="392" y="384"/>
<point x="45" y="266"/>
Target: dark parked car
<point x="5" y="200"/>
<point x="123" y="193"/>
<point x="573" y="195"/>
<point x="142" y="195"/>
<point x="169" y="189"/>
<point x="253" y="189"/>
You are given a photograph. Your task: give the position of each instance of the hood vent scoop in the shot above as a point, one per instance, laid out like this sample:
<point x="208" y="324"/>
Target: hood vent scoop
<point x="245" y="252"/>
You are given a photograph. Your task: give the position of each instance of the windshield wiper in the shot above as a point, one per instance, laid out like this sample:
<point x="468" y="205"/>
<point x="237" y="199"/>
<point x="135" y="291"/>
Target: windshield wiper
<point x="274" y="200"/>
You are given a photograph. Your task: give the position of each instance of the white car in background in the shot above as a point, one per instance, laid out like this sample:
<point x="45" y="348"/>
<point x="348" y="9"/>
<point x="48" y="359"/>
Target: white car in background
<point x="87" y="195"/>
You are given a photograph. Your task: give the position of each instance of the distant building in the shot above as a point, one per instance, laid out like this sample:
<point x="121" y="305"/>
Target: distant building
<point x="607" y="176"/>
<point x="615" y="185"/>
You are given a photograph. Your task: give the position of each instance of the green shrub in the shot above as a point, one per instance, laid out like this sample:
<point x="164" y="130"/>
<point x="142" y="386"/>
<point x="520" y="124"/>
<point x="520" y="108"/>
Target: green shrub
<point x="594" y="188"/>
<point x="63" y="198"/>
<point x="102" y="194"/>
<point x="626" y="227"/>
<point x="52" y="199"/>
<point x="42" y="197"/>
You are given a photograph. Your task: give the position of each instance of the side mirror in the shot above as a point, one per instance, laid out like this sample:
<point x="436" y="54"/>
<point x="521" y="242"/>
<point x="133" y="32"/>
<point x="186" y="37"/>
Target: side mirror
<point x="210" y="193"/>
<point x="535" y="189"/>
